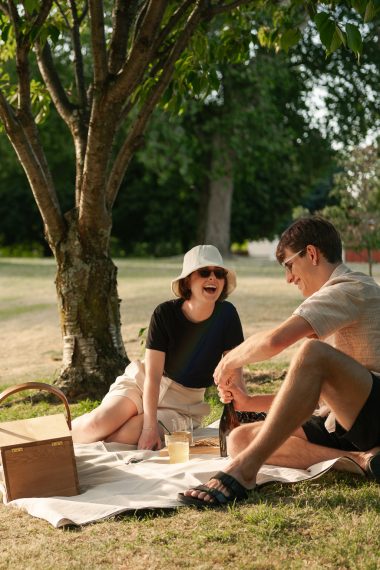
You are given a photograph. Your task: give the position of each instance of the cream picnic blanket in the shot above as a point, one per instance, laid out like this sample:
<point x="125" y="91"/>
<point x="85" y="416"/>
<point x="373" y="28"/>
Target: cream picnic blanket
<point x="114" y="478"/>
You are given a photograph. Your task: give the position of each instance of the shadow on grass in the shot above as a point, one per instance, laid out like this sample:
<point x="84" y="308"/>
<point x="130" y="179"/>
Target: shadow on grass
<point x="351" y="492"/>
<point x="134" y="516"/>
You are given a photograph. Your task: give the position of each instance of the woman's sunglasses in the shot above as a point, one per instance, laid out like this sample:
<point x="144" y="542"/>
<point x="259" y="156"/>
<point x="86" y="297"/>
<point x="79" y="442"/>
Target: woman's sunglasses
<point x="205" y="272"/>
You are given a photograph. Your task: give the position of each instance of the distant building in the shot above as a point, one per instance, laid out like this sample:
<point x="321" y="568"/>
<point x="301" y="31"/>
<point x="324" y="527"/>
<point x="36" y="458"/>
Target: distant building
<point x="361" y="256"/>
<point x="263" y="248"/>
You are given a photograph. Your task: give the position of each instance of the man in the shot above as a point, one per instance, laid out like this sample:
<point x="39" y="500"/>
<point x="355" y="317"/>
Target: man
<point x="337" y="364"/>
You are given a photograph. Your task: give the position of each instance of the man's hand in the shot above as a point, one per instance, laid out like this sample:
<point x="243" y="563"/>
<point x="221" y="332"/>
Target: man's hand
<point x="223" y="375"/>
<point x="236" y="393"/>
<point x="150" y="439"/>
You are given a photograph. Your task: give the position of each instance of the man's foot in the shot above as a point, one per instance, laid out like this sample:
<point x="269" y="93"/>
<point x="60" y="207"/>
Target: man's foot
<point x="372" y="467"/>
<point x="220" y="490"/>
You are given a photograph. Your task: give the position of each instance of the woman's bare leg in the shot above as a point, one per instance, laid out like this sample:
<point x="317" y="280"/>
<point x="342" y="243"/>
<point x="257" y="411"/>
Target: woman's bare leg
<point x="129" y="432"/>
<point x="107" y="418"/>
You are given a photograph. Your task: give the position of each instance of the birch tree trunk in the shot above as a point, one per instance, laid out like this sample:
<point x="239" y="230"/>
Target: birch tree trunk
<point x="89" y="308"/>
<point x="122" y="58"/>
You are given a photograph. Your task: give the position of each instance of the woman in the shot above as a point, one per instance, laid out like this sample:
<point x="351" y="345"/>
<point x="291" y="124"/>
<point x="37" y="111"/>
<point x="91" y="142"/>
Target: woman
<point x="186" y="339"/>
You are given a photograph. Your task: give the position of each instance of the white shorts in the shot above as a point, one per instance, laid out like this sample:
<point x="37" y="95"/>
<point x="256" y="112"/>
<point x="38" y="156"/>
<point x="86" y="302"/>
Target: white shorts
<point x="174" y="401"/>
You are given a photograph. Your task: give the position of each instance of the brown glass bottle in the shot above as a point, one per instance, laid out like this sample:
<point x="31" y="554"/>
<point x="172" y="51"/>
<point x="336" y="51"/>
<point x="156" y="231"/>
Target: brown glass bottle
<point x="228" y="422"/>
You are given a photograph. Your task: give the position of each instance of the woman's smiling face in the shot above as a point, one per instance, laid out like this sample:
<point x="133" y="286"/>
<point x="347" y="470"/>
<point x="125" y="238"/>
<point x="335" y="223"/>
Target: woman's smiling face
<point x="207" y="283"/>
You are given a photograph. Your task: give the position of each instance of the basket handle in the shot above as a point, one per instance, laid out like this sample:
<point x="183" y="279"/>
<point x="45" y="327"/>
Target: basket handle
<point x="39" y="386"/>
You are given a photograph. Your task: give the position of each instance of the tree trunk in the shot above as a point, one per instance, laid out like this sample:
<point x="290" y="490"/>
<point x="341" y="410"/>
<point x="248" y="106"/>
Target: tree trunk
<point x="204" y="198"/>
<point x="370" y="262"/>
<point x="218" y="227"/>
<point x="93" y="349"/>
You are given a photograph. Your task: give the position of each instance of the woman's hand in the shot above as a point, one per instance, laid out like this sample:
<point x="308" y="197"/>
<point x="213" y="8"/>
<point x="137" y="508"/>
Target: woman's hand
<point x="150" y="439"/>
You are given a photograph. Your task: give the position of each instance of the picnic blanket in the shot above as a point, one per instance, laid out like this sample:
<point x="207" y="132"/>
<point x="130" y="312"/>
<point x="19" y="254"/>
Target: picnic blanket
<point x="114" y="478"/>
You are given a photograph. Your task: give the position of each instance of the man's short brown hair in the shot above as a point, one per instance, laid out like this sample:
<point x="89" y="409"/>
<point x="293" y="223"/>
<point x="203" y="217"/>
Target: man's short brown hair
<point x="311" y="230"/>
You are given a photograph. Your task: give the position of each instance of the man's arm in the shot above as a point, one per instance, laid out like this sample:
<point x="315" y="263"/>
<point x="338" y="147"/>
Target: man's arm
<point x="262" y="346"/>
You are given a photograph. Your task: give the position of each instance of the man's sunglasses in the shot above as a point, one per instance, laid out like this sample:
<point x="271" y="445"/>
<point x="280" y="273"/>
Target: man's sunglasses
<point x="219" y="273"/>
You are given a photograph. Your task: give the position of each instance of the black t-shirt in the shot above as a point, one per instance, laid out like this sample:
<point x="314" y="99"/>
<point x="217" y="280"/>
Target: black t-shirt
<point x="193" y="350"/>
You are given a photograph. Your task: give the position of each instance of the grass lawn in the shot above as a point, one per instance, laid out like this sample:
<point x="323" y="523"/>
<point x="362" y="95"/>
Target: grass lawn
<point x="332" y="522"/>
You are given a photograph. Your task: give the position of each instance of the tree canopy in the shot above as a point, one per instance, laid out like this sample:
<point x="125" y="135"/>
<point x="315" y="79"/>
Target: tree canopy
<point x="105" y="66"/>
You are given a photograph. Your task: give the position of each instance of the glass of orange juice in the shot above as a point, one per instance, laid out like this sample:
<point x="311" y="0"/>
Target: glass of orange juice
<point x="178" y="447"/>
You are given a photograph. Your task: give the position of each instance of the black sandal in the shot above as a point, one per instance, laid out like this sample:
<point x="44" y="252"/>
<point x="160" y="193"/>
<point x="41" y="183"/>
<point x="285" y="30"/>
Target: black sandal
<point x="236" y="493"/>
<point x="372" y="470"/>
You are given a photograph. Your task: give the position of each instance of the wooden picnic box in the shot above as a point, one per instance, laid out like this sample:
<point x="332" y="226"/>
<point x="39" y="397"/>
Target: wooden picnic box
<point x="37" y="454"/>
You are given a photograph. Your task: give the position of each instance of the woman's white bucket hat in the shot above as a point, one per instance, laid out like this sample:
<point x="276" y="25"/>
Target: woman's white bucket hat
<point x="203" y="256"/>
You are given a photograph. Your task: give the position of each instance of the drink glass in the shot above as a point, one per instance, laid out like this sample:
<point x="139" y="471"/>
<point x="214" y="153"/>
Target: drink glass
<point x="183" y="426"/>
<point x="178" y="448"/>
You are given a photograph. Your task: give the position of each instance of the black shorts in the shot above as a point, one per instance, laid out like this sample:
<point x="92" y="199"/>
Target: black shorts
<point x="363" y="435"/>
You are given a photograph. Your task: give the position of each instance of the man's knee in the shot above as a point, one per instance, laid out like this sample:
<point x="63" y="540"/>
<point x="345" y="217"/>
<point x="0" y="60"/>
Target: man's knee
<point x="314" y="347"/>
<point x="313" y="353"/>
<point x="242" y="436"/>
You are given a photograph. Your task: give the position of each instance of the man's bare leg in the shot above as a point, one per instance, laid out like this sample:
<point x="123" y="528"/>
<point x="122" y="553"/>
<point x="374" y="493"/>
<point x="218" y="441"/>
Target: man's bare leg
<point x="318" y="370"/>
<point x="296" y="452"/>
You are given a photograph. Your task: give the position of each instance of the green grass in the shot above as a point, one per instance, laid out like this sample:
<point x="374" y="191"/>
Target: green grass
<point x="332" y="522"/>
<point x="10" y="312"/>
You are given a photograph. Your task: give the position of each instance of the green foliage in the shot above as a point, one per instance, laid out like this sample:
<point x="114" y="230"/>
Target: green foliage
<point x="21" y="225"/>
<point x="40" y="100"/>
<point x="28" y="249"/>
<point x="355" y="199"/>
<point x="260" y="110"/>
<point x="171" y="173"/>
<point x="142" y="334"/>
<point x="354" y="39"/>
<point x="349" y="106"/>
<point x="331" y="34"/>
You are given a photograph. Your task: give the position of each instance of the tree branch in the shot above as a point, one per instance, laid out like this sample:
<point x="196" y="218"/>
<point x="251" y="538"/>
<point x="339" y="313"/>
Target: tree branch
<point x="36" y="172"/>
<point x="219" y="9"/>
<point x="40" y="18"/>
<point x="53" y="82"/>
<point x="141" y="52"/>
<point x="23" y="46"/>
<point x="175" y="18"/>
<point x="98" y="41"/>
<point x="22" y="64"/>
<point x="122" y="18"/>
<point x="21" y="128"/>
<point x="134" y="137"/>
<point x="4" y="8"/>
<point x="63" y="14"/>
<point x="78" y="59"/>
<point x="104" y="119"/>
<point x="84" y="13"/>
<point x="75" y="118"/>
